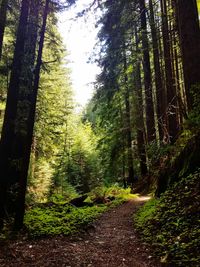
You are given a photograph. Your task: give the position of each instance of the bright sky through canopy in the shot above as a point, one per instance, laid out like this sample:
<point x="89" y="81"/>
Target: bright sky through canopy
<point x="80" y="37"/>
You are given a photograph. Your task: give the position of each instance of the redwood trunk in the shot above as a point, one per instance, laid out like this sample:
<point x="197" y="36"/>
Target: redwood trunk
<point x="170" y="83"/>
<point x="188" y="24"/>
<point x="150" y="123"/>
<point x="140" y="114"/>
<point x="8" y="130"/>
<point x="160" y="92"/>
<point x="128" y="125"/>
<point x="26" y="146"/>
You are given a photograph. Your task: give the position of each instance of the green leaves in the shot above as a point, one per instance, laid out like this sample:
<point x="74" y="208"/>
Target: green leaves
<point x="60" y="219"/>
<point x="171" y="224"/>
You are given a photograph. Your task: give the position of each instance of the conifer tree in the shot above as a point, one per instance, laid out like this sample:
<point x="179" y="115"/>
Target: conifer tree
<point x="189" y="32"/>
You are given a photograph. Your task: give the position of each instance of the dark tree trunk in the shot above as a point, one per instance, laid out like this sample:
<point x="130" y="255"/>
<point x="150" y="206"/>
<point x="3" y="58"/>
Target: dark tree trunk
<point x="140" y="125"/>
<point x="123" y="142"/>
<point x="140" y="114"/>
<point x="160" y="92"/>
<point x="188" y="25"/>
<point x="8" y="130"/>
<point x="128" y="125"/>
<point x="175" y="60"/>
<point x="129" y="140"/>
<point x="3" y="12"/>
<point x="170" y="83"/>
<point x="26" y="146"/>
<point x="181" y="108"/>
<point x="150" y="122"/>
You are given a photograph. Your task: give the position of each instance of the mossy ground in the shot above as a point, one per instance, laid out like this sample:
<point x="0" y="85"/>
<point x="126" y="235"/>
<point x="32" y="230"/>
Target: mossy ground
<point x="172" y="223"/>
<point x="65" y="219"/>
<point x="59" y="219"/>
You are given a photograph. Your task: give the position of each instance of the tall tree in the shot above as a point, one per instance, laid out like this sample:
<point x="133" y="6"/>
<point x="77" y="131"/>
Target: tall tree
<point x="139" y="111"/>
<point x="7" y="135"/>
<point x="20" y="111"/>
<point x="26" y="107"/>
<point x="150" y="122"/>
<point x="170" y="83"/>
<point x="160" y="92"/>
<point x="189" y="32"/>
<point x="128" y="122"/>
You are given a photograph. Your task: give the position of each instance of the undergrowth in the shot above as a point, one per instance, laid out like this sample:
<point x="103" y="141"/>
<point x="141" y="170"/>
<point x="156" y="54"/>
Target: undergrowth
<point x="118" y="193"/>
<point x="63" y="218"/>
<point x="60" y="219"/>
<point x="172" y="223"/>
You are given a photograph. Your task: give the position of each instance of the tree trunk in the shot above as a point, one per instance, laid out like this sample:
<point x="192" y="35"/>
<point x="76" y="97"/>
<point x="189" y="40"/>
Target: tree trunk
<point x="129" y="141"/>
<point x="140" y="126"/>
<point x="175" y="47"/>
<point x="3" y="12"/>
<point x="160" y="92"/>
<point x="170" y="84"/>
<point x="150" y="123"/>
<point x="26" y="146"/>
<point x="188" y="25"/>
<point x="8" y="132"/>
<point x="128" y="125"/>
<point x="140" y="114"/>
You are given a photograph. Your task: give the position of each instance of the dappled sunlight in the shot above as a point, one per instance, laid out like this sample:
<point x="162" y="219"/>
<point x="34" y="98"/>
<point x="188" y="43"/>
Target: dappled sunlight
<point x="142" y="198"/>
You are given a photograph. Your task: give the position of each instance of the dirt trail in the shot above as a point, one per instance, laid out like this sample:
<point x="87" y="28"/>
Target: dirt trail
<point x="110" y="242"/>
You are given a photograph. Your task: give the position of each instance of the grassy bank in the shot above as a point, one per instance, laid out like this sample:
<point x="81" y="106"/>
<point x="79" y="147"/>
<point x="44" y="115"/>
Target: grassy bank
<point x="172" y="223"/>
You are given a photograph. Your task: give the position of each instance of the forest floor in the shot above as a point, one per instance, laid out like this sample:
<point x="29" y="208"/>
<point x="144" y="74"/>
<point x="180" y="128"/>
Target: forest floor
<point x="111" y="241"/>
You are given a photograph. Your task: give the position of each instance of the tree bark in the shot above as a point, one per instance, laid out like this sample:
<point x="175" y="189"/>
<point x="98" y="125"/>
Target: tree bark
<point x="26" y="145"/>
<point x="128" y="124"/>
<point x="8" y="132"/>
<point x="140" y="114"/>
<point x="160" y="92"/>
<point x="170" y="83"/>
<point x="150" y="122"/>
<point x="140" y="124"/>
<point x="189" y="32"/>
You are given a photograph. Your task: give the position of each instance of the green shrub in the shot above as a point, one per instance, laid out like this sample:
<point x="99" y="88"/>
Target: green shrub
<point x="60" y="219"/>
<point x="57" y="217"/>
<point x="146" y="213"/>
<point x="172" y="224"/>
<point x="112" y="191"/>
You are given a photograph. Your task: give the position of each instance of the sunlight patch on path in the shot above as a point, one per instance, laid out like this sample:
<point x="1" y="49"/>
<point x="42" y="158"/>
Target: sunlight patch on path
<point x="142" y="198"/>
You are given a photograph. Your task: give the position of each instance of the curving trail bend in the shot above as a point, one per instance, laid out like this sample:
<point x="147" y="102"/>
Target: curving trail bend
<point x="110" y="242"/>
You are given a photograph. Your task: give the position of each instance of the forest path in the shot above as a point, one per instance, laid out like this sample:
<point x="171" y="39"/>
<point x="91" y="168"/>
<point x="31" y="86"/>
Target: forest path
<point x="111" y="242"/>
